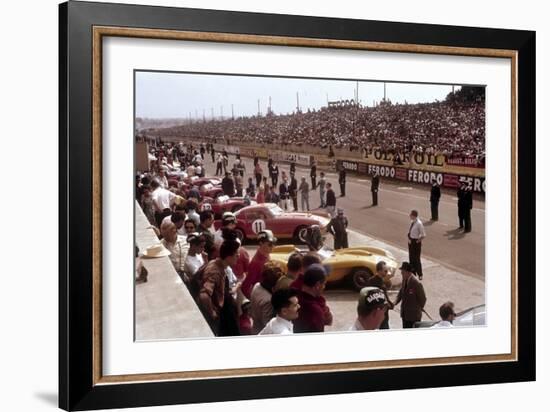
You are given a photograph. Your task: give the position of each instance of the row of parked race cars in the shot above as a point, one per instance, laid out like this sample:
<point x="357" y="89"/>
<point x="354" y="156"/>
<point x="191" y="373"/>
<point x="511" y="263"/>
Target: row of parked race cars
<point x="353" y="266"/>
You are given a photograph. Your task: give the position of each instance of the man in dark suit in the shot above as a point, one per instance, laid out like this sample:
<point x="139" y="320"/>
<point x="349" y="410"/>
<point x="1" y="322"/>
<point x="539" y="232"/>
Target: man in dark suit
<point x="342" y="181"/>
<point x="411" y="296"/>
<point x="435" y="195"/>
<point x="467" y="213"/>
<point x="228" y="185"/>
<point x="313" y="175"/>
<point x="460" y="202"/>
<point x="374" y="185"/>
<point x="293" y="189"/>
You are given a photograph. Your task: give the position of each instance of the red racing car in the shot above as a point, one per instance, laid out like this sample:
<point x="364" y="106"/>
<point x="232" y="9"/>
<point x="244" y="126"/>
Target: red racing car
<point x="224" y="203"/>
<point x="285" y="225"/>
<point x="209" y="190"/>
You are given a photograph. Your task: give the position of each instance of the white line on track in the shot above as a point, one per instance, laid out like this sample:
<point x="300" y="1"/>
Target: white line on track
<point x="396" y="211"/>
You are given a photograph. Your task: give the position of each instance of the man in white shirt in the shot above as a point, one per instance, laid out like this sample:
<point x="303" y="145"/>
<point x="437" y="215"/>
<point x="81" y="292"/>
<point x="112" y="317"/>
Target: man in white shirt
<point x="162" y="201"/>
<point x="415" y="236"/>
<point x="195" y="256"/>
<point x="161" y="177"/>
<point x="447" y="313"/>
<point x="371" y="309"/>
<point x="286" y="306"/>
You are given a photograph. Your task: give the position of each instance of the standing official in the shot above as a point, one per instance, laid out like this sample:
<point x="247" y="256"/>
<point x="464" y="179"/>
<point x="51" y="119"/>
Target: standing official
<point x="416" y="235"/>
<point x="284" y="195"/>
<point x="435" y="195"/>
<point x="411" y="295"/>
<point x="337" y="227"/>
<point x="274" y="173"/>
<point x="468" y="202"/>
<point x="460" y="203"/>
<point x="342" y="181"/>
<point x="304" y="194"/>
<point x="219" y="164"/>
<point x="313" y="175"/>
<point x="293" y="190"/>
<point x="374" y="185"/>
<point x="330" y="201"/>
<point x="321" y="185"/>
<point x="292" y="168"/>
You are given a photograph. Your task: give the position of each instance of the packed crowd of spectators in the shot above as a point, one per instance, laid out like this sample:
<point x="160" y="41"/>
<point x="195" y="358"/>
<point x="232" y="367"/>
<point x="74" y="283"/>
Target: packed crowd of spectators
<point x="454" y="128"/>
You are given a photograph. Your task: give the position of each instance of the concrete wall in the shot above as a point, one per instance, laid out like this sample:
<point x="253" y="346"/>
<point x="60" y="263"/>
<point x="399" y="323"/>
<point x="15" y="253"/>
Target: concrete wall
<point x="164" y="307"/>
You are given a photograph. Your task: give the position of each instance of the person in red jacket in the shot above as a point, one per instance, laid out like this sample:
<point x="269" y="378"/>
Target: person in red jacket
<point x="314" y="314"/>
<point x="266" y="241"/>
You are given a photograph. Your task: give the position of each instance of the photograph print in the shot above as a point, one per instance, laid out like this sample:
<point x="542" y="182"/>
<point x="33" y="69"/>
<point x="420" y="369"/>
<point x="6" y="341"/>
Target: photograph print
<point x="284" y="205"/>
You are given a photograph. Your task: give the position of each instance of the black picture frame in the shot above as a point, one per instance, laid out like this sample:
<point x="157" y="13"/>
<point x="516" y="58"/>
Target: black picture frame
<point x="77" y="390"/>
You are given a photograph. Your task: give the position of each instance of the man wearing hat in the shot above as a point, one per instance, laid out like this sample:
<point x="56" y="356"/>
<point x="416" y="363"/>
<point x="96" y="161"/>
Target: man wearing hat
<point x="371" y="309"/>
<point x="337" y="227"/>
<point x="314" y="314"/>
<point x="229" y="222"/>
<point x="266" y="241"/>
<point x="411" y="295"/>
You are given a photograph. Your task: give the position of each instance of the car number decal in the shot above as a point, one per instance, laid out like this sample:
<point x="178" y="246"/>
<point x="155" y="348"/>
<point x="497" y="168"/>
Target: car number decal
<point x="258" y="225"/>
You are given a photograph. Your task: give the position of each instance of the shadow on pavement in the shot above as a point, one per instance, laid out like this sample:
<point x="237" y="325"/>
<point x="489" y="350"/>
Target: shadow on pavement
<point x="454" y="234"/>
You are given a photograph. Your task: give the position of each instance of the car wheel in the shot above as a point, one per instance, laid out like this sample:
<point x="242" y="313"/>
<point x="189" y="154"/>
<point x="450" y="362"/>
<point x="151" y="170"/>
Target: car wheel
<point x="359" y="278"/>
<point x="299" y="234"/>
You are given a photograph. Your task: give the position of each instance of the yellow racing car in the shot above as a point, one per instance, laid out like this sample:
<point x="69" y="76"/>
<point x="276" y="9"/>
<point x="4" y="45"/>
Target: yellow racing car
<point x="352" y="265"/>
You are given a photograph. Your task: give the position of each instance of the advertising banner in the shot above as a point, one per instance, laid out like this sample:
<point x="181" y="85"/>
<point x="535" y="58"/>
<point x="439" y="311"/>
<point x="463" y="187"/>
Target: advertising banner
<point x="421" y="176"/>
<point x="378" y="156"/>
<point x="466" y="162"/>
<point x="449" y="180"/>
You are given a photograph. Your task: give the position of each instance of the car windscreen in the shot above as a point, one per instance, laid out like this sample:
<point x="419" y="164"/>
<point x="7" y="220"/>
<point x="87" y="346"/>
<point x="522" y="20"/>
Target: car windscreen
<point x="275" y="210"/>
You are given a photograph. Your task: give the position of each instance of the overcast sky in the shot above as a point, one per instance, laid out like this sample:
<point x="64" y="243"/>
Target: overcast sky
<point x="170" y="95"/>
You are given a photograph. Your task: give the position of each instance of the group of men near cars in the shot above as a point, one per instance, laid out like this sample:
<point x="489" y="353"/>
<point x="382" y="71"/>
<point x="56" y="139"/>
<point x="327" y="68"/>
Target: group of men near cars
<point x="239" y="295"/>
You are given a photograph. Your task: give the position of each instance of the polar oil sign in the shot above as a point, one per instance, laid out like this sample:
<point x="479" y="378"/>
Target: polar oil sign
<point x="383" y="171"/>
<point x="420" y="176"/>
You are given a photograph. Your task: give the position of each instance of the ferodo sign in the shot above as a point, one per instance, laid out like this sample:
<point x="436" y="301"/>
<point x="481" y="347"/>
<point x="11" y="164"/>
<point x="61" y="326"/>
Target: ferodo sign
<point x="420" y="176"/>
<point x="383" y="171"/>
<point x="351" y="166"/>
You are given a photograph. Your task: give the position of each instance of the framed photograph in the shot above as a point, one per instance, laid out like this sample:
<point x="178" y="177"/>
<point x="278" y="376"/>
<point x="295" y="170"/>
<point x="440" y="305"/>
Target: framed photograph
<point x="257" y="206"/>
